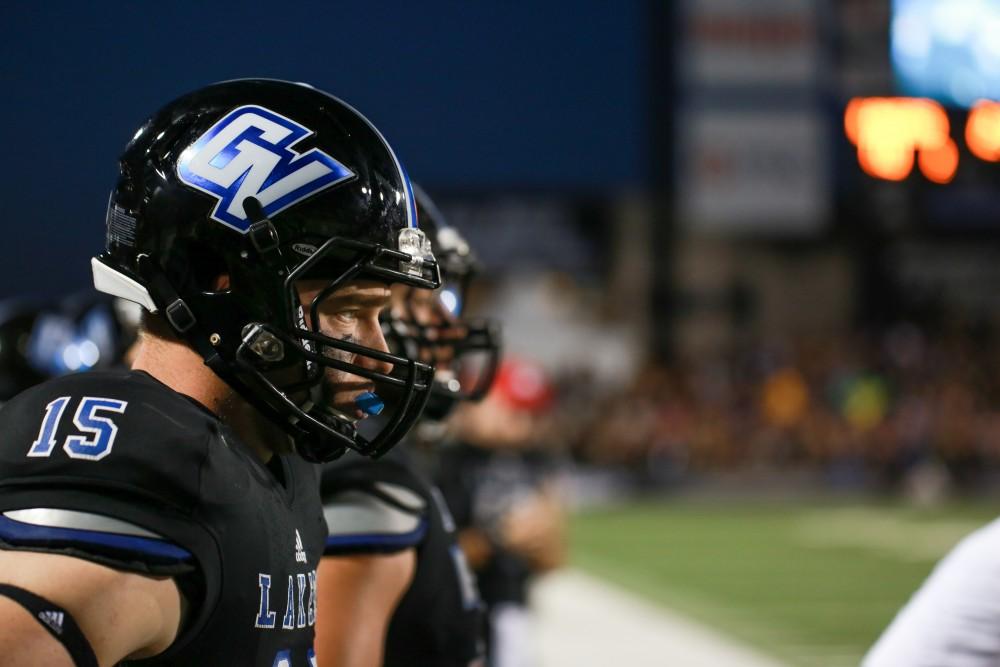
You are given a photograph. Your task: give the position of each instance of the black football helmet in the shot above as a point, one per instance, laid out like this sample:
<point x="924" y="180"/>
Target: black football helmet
<point x="39" y="340"/>
<point x="472" y="347"/>
<point x="269" y="182"/>
<point x="83" y="331"/>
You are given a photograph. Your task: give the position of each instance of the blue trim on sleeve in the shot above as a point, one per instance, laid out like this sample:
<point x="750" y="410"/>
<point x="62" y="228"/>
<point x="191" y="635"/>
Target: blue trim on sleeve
<point x="18" y="533"/>
<point x="376" y="541"/>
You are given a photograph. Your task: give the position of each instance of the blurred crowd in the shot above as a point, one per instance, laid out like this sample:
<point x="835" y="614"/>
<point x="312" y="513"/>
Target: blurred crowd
<point x="864" y="410"/>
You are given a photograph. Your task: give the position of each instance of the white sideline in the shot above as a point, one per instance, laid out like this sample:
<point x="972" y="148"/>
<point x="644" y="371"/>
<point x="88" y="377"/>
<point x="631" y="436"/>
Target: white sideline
<point x="584" y="622"/>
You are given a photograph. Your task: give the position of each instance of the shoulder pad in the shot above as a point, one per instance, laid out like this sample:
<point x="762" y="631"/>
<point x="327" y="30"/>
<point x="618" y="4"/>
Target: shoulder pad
<point x="111" y="539"/>
<point x="384" y="517"/>
<point x="106" y="467"/>
<point x="106" y="429"/>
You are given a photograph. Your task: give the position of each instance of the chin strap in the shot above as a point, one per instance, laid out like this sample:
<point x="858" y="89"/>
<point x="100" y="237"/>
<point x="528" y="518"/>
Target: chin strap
<point x="185" y="325"/>
<point x="177" y="312"/>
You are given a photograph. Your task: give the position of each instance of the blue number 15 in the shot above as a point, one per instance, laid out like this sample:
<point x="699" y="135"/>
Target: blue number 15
<point x="98" y="432"/>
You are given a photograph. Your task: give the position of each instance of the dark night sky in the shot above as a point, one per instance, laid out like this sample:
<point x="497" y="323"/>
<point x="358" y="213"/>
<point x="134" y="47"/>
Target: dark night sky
<point x="484" y="95"/>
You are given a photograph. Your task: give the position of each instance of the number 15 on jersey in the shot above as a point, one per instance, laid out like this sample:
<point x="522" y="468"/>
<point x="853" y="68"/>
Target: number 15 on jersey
<point x="97" y="432"/>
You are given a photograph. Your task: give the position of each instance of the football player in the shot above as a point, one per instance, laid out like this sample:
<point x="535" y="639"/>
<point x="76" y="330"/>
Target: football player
<point x="501" y="482"/>
<point x="394" y="586"/>
<point x="170" y="515"/>
<point x="954" y="618"/>
<point x="84" y="331"/>
<point x="38" y="342"/>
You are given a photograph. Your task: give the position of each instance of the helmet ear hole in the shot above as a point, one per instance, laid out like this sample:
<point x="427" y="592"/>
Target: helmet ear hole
<point x="208" y="269"/>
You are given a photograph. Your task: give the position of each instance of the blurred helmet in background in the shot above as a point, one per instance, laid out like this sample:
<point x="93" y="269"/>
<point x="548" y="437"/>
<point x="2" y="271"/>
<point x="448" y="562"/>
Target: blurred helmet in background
<point x="433" y="327"/>
<point x="85" y="331"/>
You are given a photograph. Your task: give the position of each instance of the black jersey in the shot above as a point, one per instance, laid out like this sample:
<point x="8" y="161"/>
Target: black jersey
<point x="482" y="486"/>
<point x="387" y="506"/>
<point x="118" y="469"/>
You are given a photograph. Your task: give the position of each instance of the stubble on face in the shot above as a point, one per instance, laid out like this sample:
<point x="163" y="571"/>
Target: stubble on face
<point x="338" y="388"/>
<point x="364" y="299"/>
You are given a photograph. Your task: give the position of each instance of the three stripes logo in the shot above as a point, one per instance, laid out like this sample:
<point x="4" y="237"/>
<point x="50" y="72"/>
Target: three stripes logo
<point x="53" y="619"/>
<point x="300" y="552"/>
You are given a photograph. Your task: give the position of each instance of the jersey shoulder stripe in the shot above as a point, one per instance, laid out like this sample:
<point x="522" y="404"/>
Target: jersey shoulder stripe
<point x="53" y="530"/>
<point x="373" y="519"/>
<point x="375" y="542"/>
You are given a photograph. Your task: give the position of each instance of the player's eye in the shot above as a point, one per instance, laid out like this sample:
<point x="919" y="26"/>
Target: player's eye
<point x="347" y="316"/>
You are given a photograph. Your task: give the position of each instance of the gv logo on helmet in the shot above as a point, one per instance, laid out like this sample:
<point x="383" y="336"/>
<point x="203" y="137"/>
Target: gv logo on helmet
<point x="249" y="154"/>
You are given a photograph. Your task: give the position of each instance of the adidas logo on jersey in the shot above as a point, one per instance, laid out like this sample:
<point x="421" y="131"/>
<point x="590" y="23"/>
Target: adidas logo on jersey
<point x="53" y="619"/>
<point x="300" y="552"/>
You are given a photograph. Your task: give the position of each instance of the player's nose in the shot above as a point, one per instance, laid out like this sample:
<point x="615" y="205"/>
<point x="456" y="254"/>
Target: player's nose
<point x="376" y="341"/>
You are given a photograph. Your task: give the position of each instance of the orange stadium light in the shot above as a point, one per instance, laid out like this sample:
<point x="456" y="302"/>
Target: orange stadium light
<point x="982" y="130"/>
<point x="888" y="131"/>
<point x="939" y="164"/>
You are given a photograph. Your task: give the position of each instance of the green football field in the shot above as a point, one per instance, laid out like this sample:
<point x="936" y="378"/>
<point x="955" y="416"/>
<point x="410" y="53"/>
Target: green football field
<point x="812" y="584"/>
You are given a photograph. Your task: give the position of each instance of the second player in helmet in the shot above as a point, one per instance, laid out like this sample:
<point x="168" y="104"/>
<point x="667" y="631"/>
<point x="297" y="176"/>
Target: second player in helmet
<point x="394" y="588"/>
